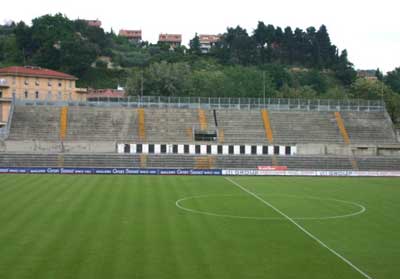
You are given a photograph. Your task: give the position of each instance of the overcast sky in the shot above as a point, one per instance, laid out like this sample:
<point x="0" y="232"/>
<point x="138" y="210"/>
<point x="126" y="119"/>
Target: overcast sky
<point x="369" y="30"/>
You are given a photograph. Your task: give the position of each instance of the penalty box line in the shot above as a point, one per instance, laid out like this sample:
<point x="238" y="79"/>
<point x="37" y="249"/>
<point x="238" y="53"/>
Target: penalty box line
<point x="299" y="227"/>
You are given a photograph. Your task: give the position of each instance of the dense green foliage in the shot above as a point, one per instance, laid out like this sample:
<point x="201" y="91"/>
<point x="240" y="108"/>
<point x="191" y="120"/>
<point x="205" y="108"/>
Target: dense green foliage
<point x="275" y="61"/>
<point x="67" y="226"/>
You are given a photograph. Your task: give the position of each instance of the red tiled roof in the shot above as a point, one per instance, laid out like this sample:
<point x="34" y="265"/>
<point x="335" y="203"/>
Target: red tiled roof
<point x="106" y="93"/>
<point x="130" y="33"/>
<point x="94" y="23"/>
<point x="35" y="72"/>
<point x="209" y="38"/>
<point x="170" y="38"/>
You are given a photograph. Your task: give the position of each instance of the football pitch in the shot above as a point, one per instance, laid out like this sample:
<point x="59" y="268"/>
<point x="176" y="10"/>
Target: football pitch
<point x="67" y="226"/>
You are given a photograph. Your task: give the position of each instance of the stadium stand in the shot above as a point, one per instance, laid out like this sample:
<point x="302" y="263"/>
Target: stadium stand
<point x="64" y="125"/>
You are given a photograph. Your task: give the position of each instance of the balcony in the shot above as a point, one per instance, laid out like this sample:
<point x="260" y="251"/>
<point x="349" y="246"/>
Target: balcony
<point x="81" y="90"/>
<point x="3" y="83"/>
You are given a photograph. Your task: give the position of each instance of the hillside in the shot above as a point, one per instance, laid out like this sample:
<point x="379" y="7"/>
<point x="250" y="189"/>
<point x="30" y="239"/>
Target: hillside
<point x="271" y="61"/>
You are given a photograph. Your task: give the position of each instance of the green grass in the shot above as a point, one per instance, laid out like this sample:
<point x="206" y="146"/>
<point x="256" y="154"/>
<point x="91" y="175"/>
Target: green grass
<point x="129" y="227"/>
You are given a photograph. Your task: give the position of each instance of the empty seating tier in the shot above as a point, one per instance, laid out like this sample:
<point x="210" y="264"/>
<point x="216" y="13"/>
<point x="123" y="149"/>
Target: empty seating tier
<point x="102" y="124"/>
<point x="369" y="127"/>
<point x="35" y="123"/>
<point x="176" y="125"/>
<point x="241" y="126"/>
<point x="305" y="127"/>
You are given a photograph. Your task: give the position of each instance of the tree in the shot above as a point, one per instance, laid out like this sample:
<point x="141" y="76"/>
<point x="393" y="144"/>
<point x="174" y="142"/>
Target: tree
<point x="392" y="79"/>
<point x="344" y="70"/>
<point x="326" y="51"/>
<point x="236" y="47"/>
<point x="288" y="46"/>
<point x="379" y="74"/>
<point x="260" y="38"/>
<point x="195" y="45"/>
<point x="367" y="89"/>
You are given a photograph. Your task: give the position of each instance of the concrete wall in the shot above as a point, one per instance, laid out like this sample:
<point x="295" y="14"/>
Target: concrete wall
<point x="336" y="149"/>
<point x="369" y="150"/>
<point x="394" y="151"/>
<point x="111" y="147"/>
<point x="58" y="147"/>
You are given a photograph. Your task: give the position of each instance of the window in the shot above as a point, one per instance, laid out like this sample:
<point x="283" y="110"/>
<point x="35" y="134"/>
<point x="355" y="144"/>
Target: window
<point x="139" y="148"/>
<point x="163" y="148"/>
<point x="287" y="150"/>
<point x="242" y="149"/>
<point x="151" y="148"/>
<point x="265" y="150"/>
<point x="49" y="83"/>
<point x="59" y="83"/>
<point x="37" y="95"/>
<point x="208" y="149"/>
<point x="219" y="149"/>
<point x="1" y="94"/>
<point x="197" y="149"/>
<point x="26" y="94"/>
<point x="26" y="82"/>
<point x="276" y="150"/>
<point x="253" y="149"/>
<point x="127" y="148"/>
<point x="230" y="149"/>
<point x="175" y="149"/>
<point x="37" y="83"/>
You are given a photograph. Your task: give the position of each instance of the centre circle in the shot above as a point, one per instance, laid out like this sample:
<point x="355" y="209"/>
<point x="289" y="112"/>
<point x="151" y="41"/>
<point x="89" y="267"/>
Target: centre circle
<point x="229" y="206"/>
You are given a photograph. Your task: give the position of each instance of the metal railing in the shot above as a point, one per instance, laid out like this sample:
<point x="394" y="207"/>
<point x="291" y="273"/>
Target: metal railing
<point x="5" y="131"/>
<point x="220" y="103"/>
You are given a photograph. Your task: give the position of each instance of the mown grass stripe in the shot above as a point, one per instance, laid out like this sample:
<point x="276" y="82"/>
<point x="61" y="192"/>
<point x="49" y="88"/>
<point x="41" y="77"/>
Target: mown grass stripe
<point x="78" y="230"/>
<point x="32" y="226"/>
<point x="51" y="248"/>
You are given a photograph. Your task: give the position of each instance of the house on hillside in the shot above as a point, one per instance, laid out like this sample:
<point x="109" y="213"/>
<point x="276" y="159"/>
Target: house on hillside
<point x="173" y="40"/>
<point x="93" y="23"/>
<point x="131" y="35"/>
<point x="207" y="42"/>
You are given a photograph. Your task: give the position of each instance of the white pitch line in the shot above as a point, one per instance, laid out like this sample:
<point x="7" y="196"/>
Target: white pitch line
<point x="300" y="227"/>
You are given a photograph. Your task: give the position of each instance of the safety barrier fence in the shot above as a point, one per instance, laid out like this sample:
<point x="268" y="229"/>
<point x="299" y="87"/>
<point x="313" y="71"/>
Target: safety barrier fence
<point x="278" y="104"/>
